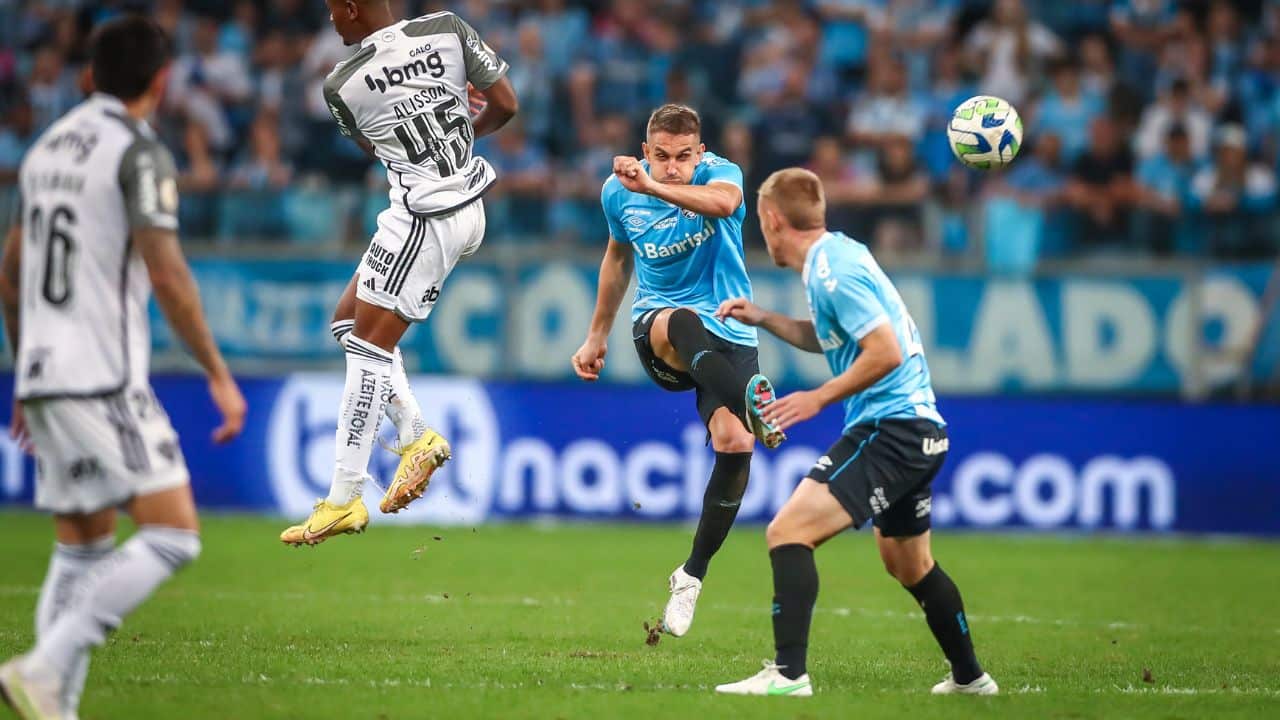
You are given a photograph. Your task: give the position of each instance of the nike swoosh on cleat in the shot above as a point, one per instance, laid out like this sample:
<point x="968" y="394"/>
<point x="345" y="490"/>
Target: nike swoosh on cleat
<point x="308" y="535"/>
<point x="784" y="689"/>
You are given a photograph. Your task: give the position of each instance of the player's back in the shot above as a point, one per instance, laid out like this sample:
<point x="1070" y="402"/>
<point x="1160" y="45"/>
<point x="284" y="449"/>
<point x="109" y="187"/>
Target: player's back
<point x="405" y="92"/>
<point x="84" y="289"/>
<point x="850" y="295"/>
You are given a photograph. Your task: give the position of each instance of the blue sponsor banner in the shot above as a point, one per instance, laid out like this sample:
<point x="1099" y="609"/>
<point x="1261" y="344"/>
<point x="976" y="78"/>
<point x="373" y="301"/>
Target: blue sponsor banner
<point x="1153" y="334"/>
<point x="637" y="453"/>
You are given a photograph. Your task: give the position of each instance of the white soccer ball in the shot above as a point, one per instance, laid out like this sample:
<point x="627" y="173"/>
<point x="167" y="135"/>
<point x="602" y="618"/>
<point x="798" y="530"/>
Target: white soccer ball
<point x="985" y="132"/>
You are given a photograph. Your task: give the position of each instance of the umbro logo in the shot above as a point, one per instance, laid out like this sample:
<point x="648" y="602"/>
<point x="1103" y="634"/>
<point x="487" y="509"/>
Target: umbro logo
<point x="636" y="221"/>
<point x="824" y="462"/>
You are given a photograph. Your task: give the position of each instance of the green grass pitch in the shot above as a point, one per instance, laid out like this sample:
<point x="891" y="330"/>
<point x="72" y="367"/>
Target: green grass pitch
<point x="546" y="622"/>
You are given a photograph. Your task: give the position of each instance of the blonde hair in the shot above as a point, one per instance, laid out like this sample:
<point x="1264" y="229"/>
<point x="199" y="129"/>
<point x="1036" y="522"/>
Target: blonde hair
<point x="799" y="197"/>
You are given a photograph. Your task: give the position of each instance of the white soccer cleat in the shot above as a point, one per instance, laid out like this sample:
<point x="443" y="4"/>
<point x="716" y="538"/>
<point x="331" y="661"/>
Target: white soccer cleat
<point x="685" y="589"/>
<point x="33" y="694"/>
<point x="770" y="682"/>
<point x="984" y="684"/>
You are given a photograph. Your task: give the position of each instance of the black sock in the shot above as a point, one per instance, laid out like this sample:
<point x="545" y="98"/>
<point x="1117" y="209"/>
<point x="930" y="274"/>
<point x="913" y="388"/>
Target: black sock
<point x="719" y="507"/>
<point x="944" y="611"/>
<point x="795" y="590"/>
<point x="708" y="367"/>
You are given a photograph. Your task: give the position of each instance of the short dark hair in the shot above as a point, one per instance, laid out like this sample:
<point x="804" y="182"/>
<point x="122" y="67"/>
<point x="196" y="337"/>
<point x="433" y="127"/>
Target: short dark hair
<point x="675" y="119"/>
<point x="126" y="55"/>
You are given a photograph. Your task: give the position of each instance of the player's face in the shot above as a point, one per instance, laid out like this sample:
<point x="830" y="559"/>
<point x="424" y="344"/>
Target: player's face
<point x="343" y="14"/>
<point x="673" y="158"/>
<point x="770" y="227"/>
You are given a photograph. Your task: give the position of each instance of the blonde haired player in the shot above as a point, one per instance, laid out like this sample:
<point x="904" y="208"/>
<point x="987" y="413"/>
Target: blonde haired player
<point x="404" y="97"/>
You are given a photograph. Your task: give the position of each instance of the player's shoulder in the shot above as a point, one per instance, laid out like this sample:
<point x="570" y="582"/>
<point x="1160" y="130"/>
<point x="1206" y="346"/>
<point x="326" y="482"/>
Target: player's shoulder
<point x="712" y="161"/>
<point x="612" y="191"/>
<point x="434" y="23"/>
<point x="346" y="69"/>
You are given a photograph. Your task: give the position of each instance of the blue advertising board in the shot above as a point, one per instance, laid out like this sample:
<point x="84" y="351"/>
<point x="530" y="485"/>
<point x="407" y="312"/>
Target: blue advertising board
<point x="637" y="453"/>
<point x="1081" y="333"/>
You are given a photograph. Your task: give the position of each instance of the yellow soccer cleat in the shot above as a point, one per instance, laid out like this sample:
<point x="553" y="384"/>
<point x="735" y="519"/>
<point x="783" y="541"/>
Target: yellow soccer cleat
<point x="418" y="462"/>
<point x="327" y="521"/>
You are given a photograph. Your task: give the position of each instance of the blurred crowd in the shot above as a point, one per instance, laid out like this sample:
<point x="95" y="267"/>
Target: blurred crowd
<point x="1152" y="126"/>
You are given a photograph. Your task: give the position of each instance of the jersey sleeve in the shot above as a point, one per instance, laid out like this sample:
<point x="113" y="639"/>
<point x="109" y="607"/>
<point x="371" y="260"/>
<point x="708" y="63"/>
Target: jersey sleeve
<point x="341" y="112"/>
<point x="484" y="66"/>
<point x="850" y="298"/>
<point x="721" y="170"/>
<point x="149" y="182"/>
<point x="609" y="203"/>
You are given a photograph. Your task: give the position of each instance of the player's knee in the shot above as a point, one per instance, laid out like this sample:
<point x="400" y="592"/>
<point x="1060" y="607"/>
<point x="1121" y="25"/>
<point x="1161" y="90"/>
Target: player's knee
<point x="341" y="329"/>
<point x="731" y="439"/>
<point x="908" y="571"/>
<point x="782" y="531"/>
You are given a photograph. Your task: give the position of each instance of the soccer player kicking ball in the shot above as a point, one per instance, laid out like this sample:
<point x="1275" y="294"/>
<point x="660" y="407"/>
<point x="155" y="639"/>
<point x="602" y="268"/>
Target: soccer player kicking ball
<point x="97" y="232"/>
<point x="893" y="444"/>
<point x="405" y="98"/>
<point x="677" y="218"/>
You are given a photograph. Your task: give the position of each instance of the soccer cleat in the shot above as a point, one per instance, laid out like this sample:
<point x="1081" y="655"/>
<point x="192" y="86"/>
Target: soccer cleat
<point x="32" y="695"/>
<point x="685" y="589"/>
<point x="327" y="521"/>
<point x="418" y="461"/>
<point x="760" y="395"/>
<point x="984" y="684"/>
<point x="770" y="681"/>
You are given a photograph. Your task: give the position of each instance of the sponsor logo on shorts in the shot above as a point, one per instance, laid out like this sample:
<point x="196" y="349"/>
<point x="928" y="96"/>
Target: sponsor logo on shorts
<point x="379" y="259"/>
<point x="431" y="295"/>
<point x="84" y="469"/>
<point x="664" y="375"/>
<point x="924" y="507"/>
<point x="935" y="446"/>
<point x="878" y="501"/>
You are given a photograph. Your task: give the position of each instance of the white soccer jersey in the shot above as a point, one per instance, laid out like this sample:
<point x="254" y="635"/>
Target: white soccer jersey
<point x="405" y="93"/>
<point x="91" y="179"/>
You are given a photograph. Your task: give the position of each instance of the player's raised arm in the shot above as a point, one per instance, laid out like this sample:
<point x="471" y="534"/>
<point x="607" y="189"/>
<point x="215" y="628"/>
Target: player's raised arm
<point x="719" y="198"/>
<point x="793" y="331"/>
<point x="615" y="275"/>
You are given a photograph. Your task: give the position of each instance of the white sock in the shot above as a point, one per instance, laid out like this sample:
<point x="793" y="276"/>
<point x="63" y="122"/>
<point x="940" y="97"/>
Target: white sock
<point x="402" y="406"/>
<point x="113" y="589"/>
<point x="68" y="567"/>
<point x="364" y="398"/>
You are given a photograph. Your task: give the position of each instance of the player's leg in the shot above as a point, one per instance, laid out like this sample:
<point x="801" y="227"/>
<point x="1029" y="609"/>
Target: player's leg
<point x="809" y="518"/>
<point x="679" y="339"/>
<point x="81" y="541"/>
<point x="402" y="406"/>
<point x="909" y="560"/>
<point x="167" y="540"/>
<point x="725" y="488"/>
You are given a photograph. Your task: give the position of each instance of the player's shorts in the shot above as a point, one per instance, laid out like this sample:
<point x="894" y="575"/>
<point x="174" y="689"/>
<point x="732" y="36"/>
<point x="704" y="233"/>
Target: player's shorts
<point x="97" y="453"/>
<point x="744" y="359"/>
<point x="411" y="255"/>
<point x="883" y="472"/>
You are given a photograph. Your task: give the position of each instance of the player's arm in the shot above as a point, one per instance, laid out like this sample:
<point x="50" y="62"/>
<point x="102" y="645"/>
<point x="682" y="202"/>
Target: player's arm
<point x="719" y="198"/>
<point x="487" y="72"/>
<point x="345" y="118"/>
<point x="878" y="356"/>
<point x="793" y="331"/>
<point x="11" y="284"/>
<point x="148" y="182"/>
<point x="615" y="276"/>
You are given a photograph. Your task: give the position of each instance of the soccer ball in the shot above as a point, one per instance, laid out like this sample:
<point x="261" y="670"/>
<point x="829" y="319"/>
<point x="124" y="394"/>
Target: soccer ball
<point x="985" y="132"/>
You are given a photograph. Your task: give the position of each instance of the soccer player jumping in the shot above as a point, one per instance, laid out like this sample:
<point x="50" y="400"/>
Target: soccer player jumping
<point x="676" y="217"/>
<point x="893" y="445"/>
<point x="405" y="98"/>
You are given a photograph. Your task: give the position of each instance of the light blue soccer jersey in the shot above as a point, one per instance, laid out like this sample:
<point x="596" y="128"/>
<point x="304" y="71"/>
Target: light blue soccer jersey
<point x="849" y="296"/>
<point x="683" y="259"/>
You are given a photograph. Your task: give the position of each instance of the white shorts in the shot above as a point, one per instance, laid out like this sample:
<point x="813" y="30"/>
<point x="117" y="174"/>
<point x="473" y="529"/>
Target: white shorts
<point x="97" y="453"/>
<point x="410" y="256"/>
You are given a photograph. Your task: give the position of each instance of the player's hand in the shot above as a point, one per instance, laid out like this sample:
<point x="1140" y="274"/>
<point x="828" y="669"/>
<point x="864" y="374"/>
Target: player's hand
<point x="226" y="396"/>
<point x="475" y="99"/>
<point x="589" y="360"/>
<point x="793" y="409"/>
<point x="632" y="174"/>
<point x="742" y="310"/>
<point x="18" y="429"/>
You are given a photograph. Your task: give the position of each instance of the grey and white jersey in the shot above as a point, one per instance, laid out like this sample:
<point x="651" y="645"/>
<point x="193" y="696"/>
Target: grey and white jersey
<point x="405" y="93"/>
<point x="87" y="183"/>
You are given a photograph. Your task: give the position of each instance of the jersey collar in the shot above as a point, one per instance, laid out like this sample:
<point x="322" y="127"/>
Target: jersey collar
<point x="813" y="250"/>
<point x="110" y="102"/>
